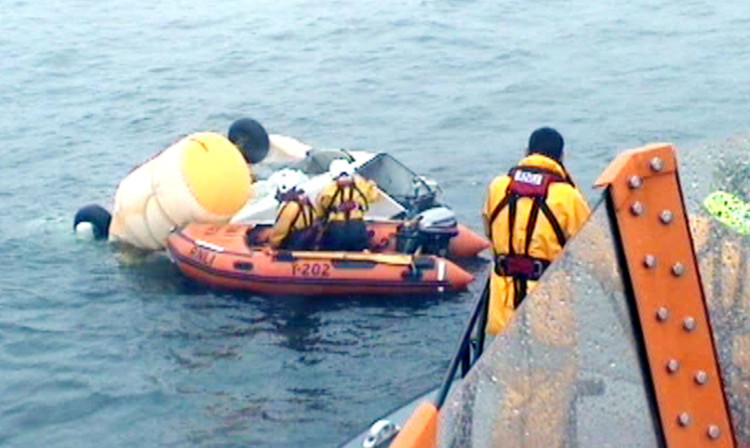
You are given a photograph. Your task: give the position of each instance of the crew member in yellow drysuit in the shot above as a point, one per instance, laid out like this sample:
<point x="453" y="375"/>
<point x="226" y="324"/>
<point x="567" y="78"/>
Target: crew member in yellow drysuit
<point x="295" y="227"/>
<point x="538" y="208"/>
<point x="342" y="205"/>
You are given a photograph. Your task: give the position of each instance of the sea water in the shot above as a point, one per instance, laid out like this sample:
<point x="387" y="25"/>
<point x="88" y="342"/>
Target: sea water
<point x="100" y="348"/>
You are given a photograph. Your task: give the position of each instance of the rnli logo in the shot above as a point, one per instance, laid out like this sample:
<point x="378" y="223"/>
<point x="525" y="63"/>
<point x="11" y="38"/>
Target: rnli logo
<point x="528" y="178"/>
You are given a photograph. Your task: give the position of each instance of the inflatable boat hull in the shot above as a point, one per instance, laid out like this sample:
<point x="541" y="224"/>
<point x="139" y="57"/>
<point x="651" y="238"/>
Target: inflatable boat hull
<point x="219" y="256"/>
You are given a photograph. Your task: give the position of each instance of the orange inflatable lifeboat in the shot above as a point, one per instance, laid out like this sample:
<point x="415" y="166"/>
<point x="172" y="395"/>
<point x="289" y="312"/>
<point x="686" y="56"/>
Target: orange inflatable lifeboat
<point x="228" y="256"/>
<point x="435" y="232"/>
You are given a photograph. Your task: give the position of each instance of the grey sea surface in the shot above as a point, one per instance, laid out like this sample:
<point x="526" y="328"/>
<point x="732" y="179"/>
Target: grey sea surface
<point x="97" y="349"/>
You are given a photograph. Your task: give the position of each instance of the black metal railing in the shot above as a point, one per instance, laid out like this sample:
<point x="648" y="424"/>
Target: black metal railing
<point x="470" y="346"/>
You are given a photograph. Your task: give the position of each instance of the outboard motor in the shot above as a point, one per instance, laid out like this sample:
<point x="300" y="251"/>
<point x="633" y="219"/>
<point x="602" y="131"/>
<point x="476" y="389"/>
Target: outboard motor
<point x="428" y="233"/>
<point x="420" y="200"/>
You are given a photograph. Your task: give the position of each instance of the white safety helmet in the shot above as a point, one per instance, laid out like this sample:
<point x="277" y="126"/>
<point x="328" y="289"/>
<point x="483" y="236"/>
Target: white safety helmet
<point x="286" y="180"/>
<point x="340" y="167"/>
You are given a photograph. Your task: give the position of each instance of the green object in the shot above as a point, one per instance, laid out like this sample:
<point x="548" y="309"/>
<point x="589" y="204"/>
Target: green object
<point x="729" y="210"/>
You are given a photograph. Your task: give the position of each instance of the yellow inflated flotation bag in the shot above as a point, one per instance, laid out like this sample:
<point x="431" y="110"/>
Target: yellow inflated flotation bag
<point x="201" y="178"/>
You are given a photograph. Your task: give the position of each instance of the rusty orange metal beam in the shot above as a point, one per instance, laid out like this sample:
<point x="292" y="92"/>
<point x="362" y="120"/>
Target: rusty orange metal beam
<point x="651" y="220"/>
<point x="657" y="245"/>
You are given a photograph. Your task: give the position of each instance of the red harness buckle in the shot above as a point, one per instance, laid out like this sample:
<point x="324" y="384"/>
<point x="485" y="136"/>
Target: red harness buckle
<point x="520" y="266"/>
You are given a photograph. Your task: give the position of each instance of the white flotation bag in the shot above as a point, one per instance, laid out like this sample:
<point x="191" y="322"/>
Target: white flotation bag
<point x="201" y="178"/>
<point x="286" y="149"/>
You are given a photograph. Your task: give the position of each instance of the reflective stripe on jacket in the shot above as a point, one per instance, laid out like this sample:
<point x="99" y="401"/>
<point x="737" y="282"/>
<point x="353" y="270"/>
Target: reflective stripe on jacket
<point x="565" y="202"/>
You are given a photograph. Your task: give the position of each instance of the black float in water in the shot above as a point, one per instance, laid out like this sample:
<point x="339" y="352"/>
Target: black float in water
<point x="97" y="216"/>
<point x="251" y="138"/>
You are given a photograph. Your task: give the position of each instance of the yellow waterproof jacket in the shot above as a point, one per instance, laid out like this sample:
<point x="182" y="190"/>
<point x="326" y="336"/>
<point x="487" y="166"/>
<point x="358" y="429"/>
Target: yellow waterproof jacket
<point x="292" y="216"/>
<point x="337" y="202"/>
<point x="565" y="202"/>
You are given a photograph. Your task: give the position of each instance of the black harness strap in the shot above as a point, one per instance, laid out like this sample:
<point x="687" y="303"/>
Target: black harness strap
<point x="533" y="214"/>
<point x="351" y="199"/>
<point x="532" y="183"/>
<point x="339" y="194"/>
<point x="348" y="211"/>
<point x="304" y="209"/>
<point x="530" y="226"/>
<point x="362" y="195"/>
<point x="281" y="211"/>
<point x="521" y="292"/>
<point x="300" y="211"/>
<point x="512" y="205"/>
<point x="331" y="207"/>
<point x="496" y="211"/>
<point x="567" y="179"/>
<point x="561" y="238"/>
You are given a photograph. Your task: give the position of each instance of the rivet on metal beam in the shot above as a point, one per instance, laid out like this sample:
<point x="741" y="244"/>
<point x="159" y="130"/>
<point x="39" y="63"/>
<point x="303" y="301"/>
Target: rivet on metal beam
<point x="701" y="377"/>
<point x="683" y="419"/>
<point x="666" y="216"/>
<point x="678" y="269"/>
<point x="656" y="164"/>
<point x="649" y="261"/>
<point x="688" y="323"/>
<point x="662" y="314"/>
<point x="635" y="182"/>
<point x="637" y="208"/>
<point x="673" y="366"/>
<point x="714" y="432"/>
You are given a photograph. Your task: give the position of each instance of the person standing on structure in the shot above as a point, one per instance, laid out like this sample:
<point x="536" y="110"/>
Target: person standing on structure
<point x="529" y="214"/>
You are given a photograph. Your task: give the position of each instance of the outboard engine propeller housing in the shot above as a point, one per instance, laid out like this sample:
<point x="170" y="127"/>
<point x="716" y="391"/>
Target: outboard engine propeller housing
<point x="429" y="232"/>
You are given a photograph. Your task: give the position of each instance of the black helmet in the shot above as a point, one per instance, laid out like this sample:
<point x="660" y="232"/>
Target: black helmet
<point x="251" y="139"/>
<point x="547" y="142"/>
